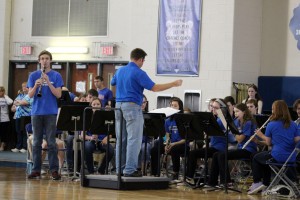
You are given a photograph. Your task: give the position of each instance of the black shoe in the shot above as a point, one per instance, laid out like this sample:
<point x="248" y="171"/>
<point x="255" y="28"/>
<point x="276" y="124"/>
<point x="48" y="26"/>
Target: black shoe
<point x="134" y="174"/>
<point x="34" y="175"/>
<point x="175" y="176"/>
<point x="56" y="176"/>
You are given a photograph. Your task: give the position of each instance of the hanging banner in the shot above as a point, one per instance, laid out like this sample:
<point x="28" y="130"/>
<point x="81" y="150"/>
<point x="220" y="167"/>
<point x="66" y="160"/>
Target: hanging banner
<point x="179" y="37"/>
<point x="295" y="25"/>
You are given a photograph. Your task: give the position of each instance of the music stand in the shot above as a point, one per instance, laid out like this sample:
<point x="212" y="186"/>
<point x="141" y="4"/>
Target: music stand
<point x="193" y="126"/>
<point x="70" y="118"/>
<point x="154" y="125"/>
<point x="188" y="129"/>
<point x="24" y="120"/>
<point x="103" y="121"/>
<point x="65" y="99"/>
<point x="230" y="126"/>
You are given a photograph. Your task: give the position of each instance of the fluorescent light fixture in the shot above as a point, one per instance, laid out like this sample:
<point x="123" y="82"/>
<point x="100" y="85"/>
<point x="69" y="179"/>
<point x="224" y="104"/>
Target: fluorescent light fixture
<point x="68" y="49"/>
<point x="56" y="66"/>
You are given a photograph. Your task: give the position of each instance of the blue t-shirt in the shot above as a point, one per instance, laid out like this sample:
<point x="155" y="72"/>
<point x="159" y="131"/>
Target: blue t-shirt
<point x="130" y="83"/>
<point x="105" y="95"/>
<point x="248" y="129"/>
<point x="282" y="140"/>
<point x="100" y="137"/>
<point x="171" y="128"/>
<point x="218" y="142"/>
<point x="47" y="104"/>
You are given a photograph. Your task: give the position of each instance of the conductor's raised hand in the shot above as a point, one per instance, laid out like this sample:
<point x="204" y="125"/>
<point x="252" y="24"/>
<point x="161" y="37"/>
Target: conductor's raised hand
<point x="178" y="83"/>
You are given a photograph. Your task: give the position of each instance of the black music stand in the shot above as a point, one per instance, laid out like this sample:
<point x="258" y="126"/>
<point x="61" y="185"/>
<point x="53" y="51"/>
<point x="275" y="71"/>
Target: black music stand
<point x="193" y="126"/>
<point x="230" y="127"/>
<point x="103" y="122"/>
<point x="70" y="118"/>
<point x="24" y="120"/>
<point x="189" y="129"/>
<point x="154" y="125"/>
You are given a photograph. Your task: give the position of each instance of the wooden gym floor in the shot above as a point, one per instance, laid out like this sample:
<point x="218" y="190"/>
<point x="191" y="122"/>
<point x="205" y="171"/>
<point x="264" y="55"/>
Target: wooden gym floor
<point x="14" y="185"/>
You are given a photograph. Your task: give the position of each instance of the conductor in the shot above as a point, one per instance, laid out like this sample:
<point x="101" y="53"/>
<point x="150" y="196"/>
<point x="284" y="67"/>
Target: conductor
<point x="130" y="82"/>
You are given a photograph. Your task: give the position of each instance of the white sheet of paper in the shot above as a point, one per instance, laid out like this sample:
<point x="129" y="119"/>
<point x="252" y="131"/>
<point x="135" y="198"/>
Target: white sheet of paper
<point x="168" y="111"/>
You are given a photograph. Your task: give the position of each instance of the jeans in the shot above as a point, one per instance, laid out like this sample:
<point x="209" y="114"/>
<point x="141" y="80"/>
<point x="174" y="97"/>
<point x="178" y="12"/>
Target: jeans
<point x="131" y="119"/>
<point x="90" y="148"/>
<point x="44" y="124"/>
<point x="21" y="135"/>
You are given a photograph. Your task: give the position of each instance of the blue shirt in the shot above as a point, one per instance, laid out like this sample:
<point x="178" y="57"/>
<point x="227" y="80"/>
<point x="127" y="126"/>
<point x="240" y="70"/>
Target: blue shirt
<point x="105" y="95"/>
<point x="100" y="137"/>
<point x="282" y="140"/>
<point x="47" y="104"/>
<point x="171" y="128"/>
<point x="130" y="83"/>
<point x="218" y="142"/>
<point x="26" y="109"/>
<point x="247" y="129"/>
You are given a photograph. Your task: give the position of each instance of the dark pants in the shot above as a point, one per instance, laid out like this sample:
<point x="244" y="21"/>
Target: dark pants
<point x="260" y="169"/>
<point x="175" y="153"/>
<point x="21" y="135"/>
<point x="218" y="164"/>
<point x="194" y="155"/>
<point x="90" y="147"/>
<point x="4" y="131"/>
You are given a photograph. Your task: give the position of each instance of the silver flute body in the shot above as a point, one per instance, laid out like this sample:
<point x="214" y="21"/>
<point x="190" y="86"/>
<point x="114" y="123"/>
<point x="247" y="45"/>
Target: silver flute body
<point x="251" y="138"/>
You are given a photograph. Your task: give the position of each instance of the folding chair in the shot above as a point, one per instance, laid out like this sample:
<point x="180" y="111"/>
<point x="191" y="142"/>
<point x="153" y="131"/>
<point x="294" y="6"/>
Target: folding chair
<point x="241" y="172"/>
<point x="280" y="170"/>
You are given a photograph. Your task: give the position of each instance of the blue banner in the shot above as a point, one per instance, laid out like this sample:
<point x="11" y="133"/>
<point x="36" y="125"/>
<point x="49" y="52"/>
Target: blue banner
<point x="295" y="25"/>
<point x="179" y="37"/>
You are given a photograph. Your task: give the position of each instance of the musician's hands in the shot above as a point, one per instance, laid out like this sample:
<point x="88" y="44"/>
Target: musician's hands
<point x="259" y="133"/>
<point x="38" y="82"/>
<point x="168" y="147"/>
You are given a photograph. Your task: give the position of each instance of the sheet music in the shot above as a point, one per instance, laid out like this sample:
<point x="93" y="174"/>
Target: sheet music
<point x="168" y="111"/>
<point x="222" y="118"/>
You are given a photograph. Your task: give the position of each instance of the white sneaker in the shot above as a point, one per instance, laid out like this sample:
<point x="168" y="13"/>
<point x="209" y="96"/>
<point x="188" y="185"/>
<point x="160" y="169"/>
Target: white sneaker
<point x="23" y="151"/>
<point x="43" y="172"/>
<point x="15" y="150"/>
<point x="256" y="187"/>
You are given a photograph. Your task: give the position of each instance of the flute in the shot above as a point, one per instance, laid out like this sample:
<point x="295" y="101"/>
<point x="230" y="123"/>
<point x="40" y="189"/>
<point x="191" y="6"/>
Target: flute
<point x="251" y="138"/>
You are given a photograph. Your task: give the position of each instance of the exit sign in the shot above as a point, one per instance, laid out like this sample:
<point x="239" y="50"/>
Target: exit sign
<point x="107" y="50"/>
<point x="26" y="50"/>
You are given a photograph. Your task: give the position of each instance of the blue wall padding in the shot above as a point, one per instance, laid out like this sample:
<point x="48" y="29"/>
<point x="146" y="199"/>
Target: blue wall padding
<point x="272" y="88"/>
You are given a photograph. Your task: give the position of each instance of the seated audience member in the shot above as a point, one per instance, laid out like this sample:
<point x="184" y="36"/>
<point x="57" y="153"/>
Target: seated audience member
<point x="246" y="124"/>
<point x="253" y="94"/>
<point x="282" y="133"/>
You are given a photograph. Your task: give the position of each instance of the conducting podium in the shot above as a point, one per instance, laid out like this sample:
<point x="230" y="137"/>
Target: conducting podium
<point x="105" y="121"/>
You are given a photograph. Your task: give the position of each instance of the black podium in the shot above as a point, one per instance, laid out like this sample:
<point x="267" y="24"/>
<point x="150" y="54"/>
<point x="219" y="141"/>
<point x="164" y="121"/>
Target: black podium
<point x="117" y="181"/>
<point x="70" y="118"/>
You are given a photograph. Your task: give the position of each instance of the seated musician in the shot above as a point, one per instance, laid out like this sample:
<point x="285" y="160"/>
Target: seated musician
<point x="175" y="145"/>
<point x="97" y="142"/>
<point x="282" y="133"/>
<point x="217" y="143"/>
<point x="246" y="124"/>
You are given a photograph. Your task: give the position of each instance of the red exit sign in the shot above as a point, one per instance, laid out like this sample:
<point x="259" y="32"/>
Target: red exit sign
<point x="26" y="50"/>
<point x="107" y="50"/>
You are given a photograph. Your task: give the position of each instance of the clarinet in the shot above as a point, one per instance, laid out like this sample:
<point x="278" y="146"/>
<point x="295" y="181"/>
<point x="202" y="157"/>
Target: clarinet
<point x="39" y="94"/>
